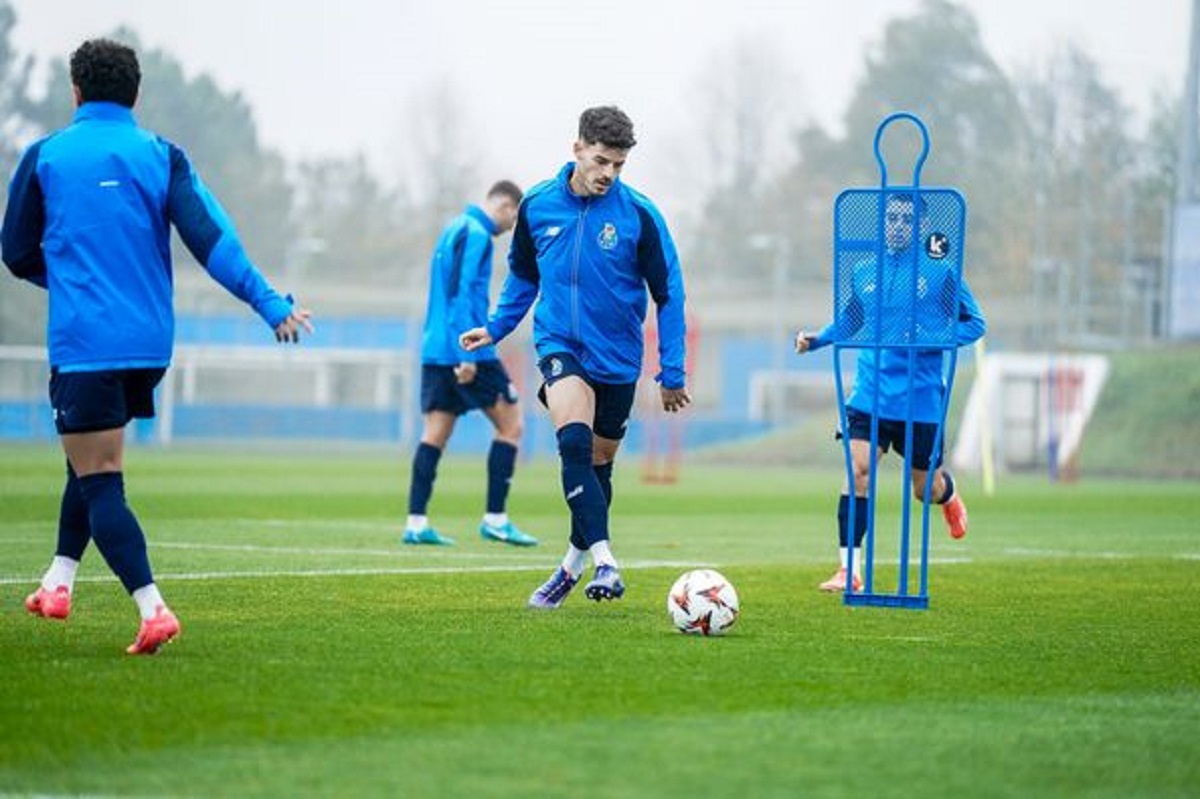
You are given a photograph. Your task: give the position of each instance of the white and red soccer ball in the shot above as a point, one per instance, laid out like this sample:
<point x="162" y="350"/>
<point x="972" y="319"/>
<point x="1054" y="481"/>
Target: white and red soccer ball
<point x="702" y="602"/>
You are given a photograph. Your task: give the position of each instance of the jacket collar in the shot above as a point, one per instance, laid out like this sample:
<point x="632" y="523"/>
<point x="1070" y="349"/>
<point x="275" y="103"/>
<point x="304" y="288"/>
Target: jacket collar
<point x="564" y="177"/>
<point x="104" y="111"/>
<point x="480" y="216"/>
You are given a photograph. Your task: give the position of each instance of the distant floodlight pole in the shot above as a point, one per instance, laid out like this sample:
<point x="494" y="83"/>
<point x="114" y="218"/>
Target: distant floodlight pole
<point x="1186" y="190"/>
<point x="1186" y="170"/>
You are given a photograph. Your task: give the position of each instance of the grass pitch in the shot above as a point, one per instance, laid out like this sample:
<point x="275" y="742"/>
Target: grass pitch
<point x="1060" y="656"/>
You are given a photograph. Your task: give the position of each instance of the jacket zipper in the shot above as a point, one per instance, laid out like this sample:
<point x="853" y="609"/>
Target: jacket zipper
<point x="579" y="228"/>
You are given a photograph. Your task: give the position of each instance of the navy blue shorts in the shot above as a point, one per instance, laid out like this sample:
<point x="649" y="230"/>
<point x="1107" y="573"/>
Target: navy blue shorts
<point x="441" y="391"/>
<point x="614" y="401"/>
<point x="87" y="402"/>
<point x="891" y="435"/>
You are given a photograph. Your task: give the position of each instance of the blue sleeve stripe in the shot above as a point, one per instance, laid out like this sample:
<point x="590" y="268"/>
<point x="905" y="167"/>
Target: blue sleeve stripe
<point x="457" y="247"/>
<point x="658" y="263"/>
<point x="25" y="221"/>
<point x="523" y="281"/>
<point x="522" y="254"/>
<point x="467" y="309"/>
<point x="652" y="261"/>
<point x="190" y="209"/>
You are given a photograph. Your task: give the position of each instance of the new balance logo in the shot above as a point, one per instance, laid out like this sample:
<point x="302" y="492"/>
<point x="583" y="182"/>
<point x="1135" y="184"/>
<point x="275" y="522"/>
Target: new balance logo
<point x="574" y="492"/>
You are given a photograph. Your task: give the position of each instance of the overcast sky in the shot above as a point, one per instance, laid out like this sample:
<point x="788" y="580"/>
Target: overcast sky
<point x="331" y="77"/>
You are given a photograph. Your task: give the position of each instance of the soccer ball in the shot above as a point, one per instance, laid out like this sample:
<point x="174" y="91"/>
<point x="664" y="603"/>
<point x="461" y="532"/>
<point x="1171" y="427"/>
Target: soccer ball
<point x="702" y="602"/>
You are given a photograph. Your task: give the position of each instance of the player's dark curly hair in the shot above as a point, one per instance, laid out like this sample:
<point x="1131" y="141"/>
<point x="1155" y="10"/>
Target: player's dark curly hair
<point x="607" y="125"/>
<point x="106" y="71"/>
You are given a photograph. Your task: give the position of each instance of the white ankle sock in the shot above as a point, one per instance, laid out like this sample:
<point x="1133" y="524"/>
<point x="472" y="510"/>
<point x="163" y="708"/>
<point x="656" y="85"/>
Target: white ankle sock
<point x="844" y="557"/>
<point x="417" y="523"/>
<point x="61" y="572"/>
<point x="495" y="519"/>
<point x="575" y="561"/>
<point x="148" y="600"/>
<point x="602" y="555"/>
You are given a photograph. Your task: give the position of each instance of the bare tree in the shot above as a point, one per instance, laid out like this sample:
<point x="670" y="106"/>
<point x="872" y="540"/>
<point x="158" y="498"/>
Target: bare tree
<point x="743" y="98"/>
<point x="743" y="95"/>
<point x="1083" y="172"/>
<point x="438" y="159"/>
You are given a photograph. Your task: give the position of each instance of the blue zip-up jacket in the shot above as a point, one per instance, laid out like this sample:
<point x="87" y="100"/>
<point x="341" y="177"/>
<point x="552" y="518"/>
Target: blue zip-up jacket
<point x="588" y="261"/>
<point x="886" y="370"/>
<point x="88" y="218"/>
<point x="459" y="279"/>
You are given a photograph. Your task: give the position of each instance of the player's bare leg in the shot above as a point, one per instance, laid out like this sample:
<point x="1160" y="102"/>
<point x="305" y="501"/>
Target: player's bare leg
<point x="944" y="493"/>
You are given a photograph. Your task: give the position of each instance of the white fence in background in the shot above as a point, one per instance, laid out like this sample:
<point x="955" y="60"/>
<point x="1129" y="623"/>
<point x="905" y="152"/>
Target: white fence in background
<point x="277" y="376"/>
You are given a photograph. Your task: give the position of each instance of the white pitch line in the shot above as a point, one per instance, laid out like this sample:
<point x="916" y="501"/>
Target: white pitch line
<point x="289" y="550"/>
<point x="390" y="553"/>
<point x="377" y="524"/>
<point x="1025" y="552"/>
<point x="400" y="570"/>
<point x="903" y="639"/>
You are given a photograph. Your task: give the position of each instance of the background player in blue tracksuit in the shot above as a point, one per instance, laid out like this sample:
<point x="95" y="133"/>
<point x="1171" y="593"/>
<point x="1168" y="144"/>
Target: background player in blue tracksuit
<point x="940" y="302"/>
<point x="454" y="381"/>
<point x="587" y="248"/>
<point x="88" y="219"/>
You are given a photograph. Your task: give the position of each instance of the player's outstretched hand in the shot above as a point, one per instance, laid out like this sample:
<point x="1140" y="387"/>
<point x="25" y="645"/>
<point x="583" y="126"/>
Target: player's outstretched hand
<point x="475" y="338"/>
<point x="804" y="341"/>
<point x="289" y="329"/>
<point x="674" y="399"/>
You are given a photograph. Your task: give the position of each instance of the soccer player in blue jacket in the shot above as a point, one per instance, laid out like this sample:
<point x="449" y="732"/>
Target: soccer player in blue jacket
<point x="589" y="249"/>
<point x="88" y="219"/>
<point x="888" y="373"/>
<point x="454" y="381"/>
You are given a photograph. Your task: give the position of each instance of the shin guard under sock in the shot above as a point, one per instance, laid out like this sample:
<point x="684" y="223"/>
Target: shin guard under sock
<point x="581" y="487"/>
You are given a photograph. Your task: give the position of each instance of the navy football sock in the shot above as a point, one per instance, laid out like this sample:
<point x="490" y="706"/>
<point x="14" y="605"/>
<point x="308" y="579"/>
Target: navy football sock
<point x="860" y="520"/>
<point x="604" y="476"/>
<point x="424" y="472"/>
<point x="581" y="487"/>
<point x="74" y="530"/>
<point x="501" y="463"/>
<point x="115" y="529"/>
<point x="578" y="539"/>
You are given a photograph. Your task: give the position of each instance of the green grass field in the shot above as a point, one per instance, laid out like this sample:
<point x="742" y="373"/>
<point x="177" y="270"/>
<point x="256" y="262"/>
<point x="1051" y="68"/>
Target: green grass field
<point x="1060" y="655"/>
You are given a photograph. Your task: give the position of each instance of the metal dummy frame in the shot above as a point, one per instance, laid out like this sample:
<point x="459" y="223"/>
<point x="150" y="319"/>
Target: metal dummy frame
<point x="904" y="596"/>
